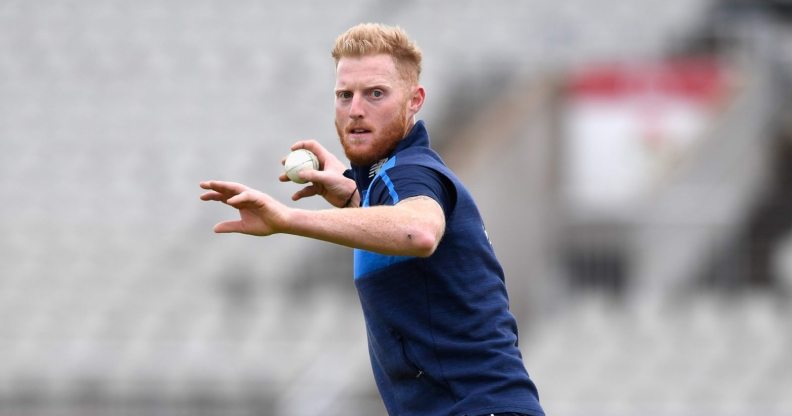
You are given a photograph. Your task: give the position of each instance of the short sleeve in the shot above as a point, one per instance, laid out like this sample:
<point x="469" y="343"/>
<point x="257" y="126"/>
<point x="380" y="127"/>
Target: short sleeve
<point x="406" y="181"/>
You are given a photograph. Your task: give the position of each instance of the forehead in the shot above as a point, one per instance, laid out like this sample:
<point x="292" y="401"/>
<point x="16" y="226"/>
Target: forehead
<point x="371" y="69"/>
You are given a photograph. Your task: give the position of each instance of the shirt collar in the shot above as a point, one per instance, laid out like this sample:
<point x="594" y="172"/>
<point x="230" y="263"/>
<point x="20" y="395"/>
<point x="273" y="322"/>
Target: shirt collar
<point x="418" y="136"/>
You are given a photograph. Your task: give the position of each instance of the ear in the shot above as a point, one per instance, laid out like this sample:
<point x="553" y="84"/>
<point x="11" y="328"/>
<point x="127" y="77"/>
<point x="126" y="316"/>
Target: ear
<point x="416" y="100"/>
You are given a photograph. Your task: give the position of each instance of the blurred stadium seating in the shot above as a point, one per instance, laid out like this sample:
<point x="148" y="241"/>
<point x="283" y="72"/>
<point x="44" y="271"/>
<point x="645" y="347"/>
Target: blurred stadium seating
<point x="116" y="298"/>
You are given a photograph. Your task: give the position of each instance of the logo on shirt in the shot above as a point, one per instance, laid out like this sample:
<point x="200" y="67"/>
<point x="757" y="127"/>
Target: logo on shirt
<point x="375" y="168"/>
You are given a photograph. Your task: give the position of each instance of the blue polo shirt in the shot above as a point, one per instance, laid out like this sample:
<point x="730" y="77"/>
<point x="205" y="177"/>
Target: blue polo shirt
<point x="441" y="338"/>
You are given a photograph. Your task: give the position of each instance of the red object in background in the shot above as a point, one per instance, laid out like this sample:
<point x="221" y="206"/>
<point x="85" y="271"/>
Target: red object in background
<point x="627" y="125"/>
<point x="694" y="79"/>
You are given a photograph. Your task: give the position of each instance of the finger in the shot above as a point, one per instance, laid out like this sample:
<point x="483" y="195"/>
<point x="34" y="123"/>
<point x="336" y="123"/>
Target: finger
<point x="313" y="146"/>
<point x="228" y="227"/>
<point x="307" y="144"/>
<point x="213" y="196"/>
<point x="283" y="177"/>
<point x="309" y="175"/>
<point x="208" y="184"/>
<point x="229" y="188"/>
<point x="327" y="160"/>
<point x="306" y="192"/>
<point x="243" y="199"/>
<point x="321" y="177"/>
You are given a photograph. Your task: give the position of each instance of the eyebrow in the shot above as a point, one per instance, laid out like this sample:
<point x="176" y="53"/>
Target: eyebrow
<point x="380" y="85"/>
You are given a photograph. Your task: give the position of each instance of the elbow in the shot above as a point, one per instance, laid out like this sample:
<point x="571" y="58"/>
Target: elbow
<point x="423" y="243"/>
<point x="422" y="228"/>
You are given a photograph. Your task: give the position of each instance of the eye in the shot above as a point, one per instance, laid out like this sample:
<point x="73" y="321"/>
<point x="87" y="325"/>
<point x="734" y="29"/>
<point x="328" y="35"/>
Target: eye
<point x="377" y="93"/>
<point x="343" y="95"/>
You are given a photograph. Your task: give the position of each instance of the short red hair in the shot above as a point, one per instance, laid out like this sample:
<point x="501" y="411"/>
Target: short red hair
<point x="373" y="39"/>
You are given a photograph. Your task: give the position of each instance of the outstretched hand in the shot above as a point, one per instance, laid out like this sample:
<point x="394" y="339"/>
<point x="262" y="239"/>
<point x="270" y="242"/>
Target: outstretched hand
<point x="328" y="182"/>
<point x="260" y="214"/>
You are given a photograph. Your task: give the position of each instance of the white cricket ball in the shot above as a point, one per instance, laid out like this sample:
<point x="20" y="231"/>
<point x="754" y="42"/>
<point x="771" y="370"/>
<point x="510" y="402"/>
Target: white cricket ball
<point x="298" y="160"/>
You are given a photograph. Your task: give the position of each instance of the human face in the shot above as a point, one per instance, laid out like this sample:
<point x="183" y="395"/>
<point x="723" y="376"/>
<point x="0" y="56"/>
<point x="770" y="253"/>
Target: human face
<point x="374" y="107"/>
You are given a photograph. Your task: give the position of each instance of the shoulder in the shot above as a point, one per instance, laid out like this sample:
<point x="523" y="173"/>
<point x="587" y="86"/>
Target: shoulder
<point x="402" y="181"/>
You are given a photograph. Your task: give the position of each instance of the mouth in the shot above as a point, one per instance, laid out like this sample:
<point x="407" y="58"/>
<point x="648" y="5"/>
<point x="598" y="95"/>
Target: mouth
<point x="358" y="132"/>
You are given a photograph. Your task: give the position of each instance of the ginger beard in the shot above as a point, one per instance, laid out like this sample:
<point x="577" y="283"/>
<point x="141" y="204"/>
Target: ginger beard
<point x="382" y="142"/>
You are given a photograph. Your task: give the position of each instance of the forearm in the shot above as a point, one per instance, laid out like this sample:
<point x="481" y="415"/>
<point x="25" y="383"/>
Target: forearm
<point x="385" y="229"/>
<point x="413" y="227"/>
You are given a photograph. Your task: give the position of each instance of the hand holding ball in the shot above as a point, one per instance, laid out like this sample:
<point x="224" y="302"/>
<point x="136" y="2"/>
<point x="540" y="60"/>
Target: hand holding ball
<point x="298" y="160"/>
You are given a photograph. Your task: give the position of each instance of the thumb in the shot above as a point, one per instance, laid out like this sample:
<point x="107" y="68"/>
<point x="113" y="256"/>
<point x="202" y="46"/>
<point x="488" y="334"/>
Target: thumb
<point x="228" y="227"/>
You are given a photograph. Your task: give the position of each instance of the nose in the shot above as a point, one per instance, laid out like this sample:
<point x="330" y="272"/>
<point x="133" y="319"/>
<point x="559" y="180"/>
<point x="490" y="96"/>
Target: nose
<point x="356" y="107"/>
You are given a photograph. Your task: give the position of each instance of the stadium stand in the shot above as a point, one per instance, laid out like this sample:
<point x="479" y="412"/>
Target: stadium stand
<point x="116" y="298"/>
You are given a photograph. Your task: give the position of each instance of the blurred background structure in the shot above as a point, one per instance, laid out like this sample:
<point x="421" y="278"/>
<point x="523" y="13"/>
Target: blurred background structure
<point x="632" y="160"/>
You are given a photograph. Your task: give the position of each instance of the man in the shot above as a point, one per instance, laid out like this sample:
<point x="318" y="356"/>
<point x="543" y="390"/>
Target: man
<point x="441" y="338"/>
